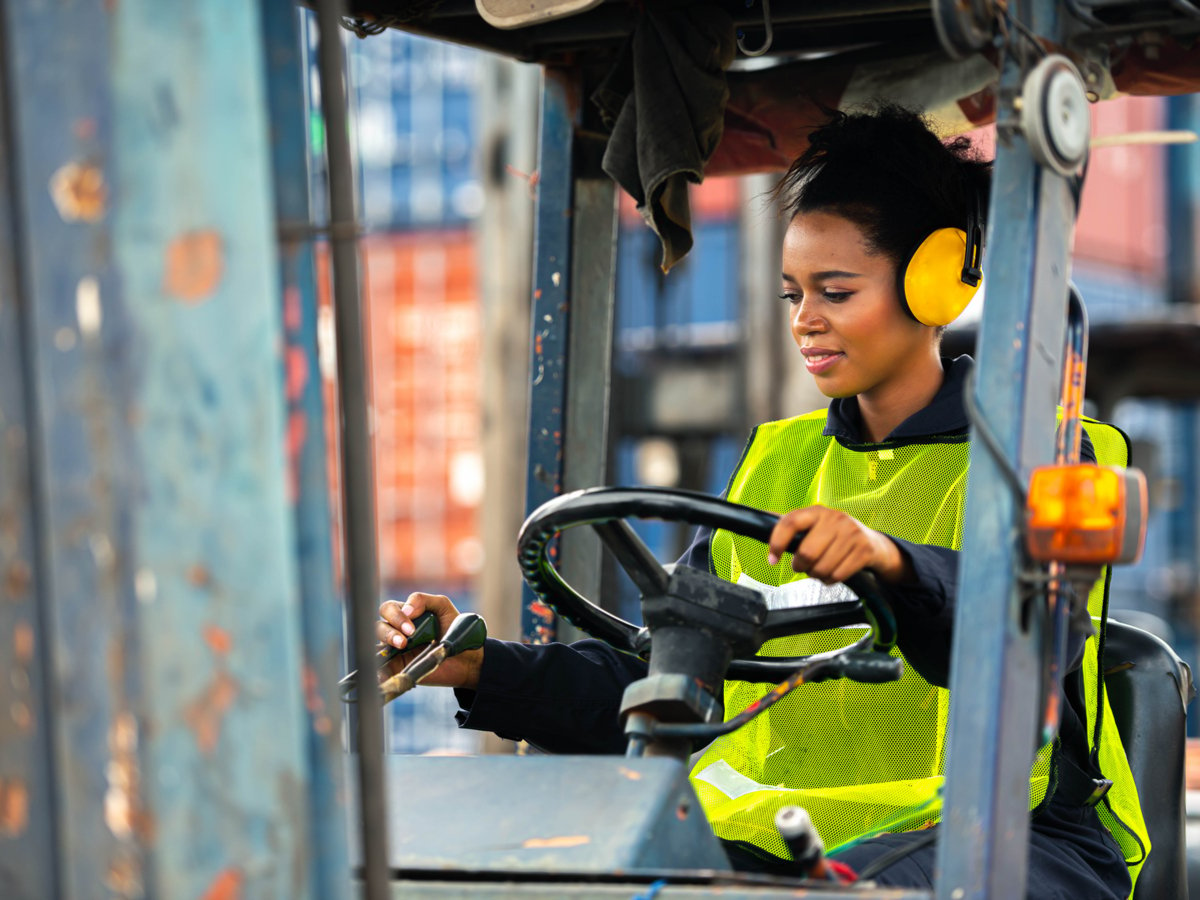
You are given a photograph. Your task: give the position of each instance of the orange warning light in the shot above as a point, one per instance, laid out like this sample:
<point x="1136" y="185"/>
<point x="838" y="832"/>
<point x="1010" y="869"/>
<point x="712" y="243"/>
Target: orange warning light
<point x="1086" y="515"/>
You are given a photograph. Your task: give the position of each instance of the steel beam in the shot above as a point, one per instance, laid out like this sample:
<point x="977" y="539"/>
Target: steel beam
<point x="164" y="540"/>
<point x="357" y="469"/>
<point x="589" y="376"/>
<point x="307" y="456"/>
<point x="551" y="314"/>
<point x="983" y="851"/>
<point x="27" y="825"/>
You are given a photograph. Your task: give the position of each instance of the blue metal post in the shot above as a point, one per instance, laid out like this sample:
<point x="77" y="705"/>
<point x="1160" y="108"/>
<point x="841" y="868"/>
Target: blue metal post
<point x="550" y="318"/>
<point x="307" y="459"/>
<point x="27" y="832"/>
<point x="164" y="536"/>
<point x="995" y="662"/>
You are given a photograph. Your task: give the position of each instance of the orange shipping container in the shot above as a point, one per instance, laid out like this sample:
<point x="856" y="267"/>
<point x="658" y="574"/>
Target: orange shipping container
<point x="424" y="324"/>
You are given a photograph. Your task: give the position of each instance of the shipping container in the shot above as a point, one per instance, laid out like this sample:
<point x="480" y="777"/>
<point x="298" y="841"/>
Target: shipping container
<point x="415" y="131"/>
<point x="424" y="343"/>
<point x="1122" y="215"/>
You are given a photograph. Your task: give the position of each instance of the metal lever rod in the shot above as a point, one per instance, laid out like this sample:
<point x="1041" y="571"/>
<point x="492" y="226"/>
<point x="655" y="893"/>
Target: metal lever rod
<point x="467" y="632"/>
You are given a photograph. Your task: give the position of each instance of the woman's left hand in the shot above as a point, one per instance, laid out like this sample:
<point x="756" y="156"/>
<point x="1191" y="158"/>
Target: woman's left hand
<point x="837" y="546"/>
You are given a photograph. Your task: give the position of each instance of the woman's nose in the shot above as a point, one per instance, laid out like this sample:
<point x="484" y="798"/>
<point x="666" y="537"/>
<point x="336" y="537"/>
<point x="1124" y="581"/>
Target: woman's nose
<point x="805" y="319"/>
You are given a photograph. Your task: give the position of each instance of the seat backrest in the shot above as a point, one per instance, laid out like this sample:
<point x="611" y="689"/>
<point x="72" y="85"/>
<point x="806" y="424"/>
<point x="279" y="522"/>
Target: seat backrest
<point x="1148" y="688"/>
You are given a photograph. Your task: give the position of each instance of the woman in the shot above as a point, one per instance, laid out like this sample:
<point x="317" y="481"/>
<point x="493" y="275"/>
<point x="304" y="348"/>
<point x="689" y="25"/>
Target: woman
<point x="877" y="481"/>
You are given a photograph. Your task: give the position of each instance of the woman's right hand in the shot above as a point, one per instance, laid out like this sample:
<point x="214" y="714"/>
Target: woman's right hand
<point x="396" y="623"/>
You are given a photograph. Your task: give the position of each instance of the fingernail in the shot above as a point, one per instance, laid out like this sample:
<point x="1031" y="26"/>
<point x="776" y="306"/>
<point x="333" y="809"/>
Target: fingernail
<point x="398" y="642"/>
<point x="773" y="558"/>
<point x="407" y="628"/>
<point x="406" y="609"/>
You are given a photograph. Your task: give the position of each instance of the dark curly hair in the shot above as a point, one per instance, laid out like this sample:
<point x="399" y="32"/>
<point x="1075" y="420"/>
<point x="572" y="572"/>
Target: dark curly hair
<point x="885" y="171"/>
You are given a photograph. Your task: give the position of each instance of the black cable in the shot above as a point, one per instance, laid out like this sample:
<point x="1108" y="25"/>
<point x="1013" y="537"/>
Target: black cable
<point x="1023" y="29"/>
<point x="706" y="731"/>
<point x="979" y="423"/>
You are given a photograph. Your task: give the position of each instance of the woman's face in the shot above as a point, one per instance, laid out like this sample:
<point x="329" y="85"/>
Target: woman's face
<point x="845" y="313"/>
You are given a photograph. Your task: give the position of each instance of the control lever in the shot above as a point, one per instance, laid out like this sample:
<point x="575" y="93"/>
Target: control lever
<point x="424" y="631"/>
<point x="467" y="632"/>
<point x="806" y="847"/>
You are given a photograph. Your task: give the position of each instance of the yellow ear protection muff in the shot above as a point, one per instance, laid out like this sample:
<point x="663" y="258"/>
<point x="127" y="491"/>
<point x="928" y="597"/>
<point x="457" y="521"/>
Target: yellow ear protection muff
<point x="943" y="273"/>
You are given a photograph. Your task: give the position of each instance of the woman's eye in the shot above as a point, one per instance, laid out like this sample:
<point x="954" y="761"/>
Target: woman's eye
<point x="792" y="297"/>
<point x="837" y="296"/>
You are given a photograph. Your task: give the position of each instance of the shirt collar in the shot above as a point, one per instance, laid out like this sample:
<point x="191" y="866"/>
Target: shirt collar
<point x="944" y="414"/>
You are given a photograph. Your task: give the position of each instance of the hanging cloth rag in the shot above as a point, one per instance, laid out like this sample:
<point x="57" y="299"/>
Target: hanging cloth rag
<point x="664" y="101"/>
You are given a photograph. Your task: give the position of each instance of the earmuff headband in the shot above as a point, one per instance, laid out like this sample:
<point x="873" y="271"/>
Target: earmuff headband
<point x="972" y="271"/>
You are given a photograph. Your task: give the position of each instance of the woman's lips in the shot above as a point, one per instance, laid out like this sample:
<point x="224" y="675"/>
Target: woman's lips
<point x="816" y="363"/>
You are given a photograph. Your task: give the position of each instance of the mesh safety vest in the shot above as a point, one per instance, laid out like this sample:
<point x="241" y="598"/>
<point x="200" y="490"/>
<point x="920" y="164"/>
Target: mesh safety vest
<point x="863" y="758"/>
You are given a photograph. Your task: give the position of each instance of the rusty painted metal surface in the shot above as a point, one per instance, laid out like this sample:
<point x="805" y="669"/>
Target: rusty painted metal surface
<point x="550" y="318"/>
<point x="163" y="526"/>
<point x="307" y="485"/>
<point x="26" y="792"/>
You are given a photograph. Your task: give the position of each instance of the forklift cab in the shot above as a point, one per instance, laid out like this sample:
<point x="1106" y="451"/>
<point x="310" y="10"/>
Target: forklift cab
<point x="172" y="612"/>
<point x="1030" y="67"/>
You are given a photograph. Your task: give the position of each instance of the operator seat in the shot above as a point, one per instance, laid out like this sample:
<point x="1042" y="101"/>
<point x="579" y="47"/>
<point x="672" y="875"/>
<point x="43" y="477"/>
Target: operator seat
<point x="1148" y="688"/>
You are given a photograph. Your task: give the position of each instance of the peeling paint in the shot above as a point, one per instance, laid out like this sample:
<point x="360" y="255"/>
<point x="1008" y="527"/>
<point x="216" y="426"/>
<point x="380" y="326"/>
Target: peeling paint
<point x="194" y="265"/>
<point x="296" y="372"/>
<point x="541" y="610"/>
<point x="88" y="310"/>
<point x="321" y="722"/>
<point x="198" y="575"/>
<point x="17" y="577"/>
<point x="14" y="806"/>
<point x="79" y="192"/>
<point x="293" y="310"/>
<point x="297" y="434"/>
<point x="226" y="886"/>
<point x="120" y="800"/>
<point x="145" y="585"/>
<point x="218" y="639"/>
<point x="205" y="714"/>
<point x="23" y="644"/>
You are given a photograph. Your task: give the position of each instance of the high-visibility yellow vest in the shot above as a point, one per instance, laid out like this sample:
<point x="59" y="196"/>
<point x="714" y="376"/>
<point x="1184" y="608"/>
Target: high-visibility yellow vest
<point x="861" y="758"/>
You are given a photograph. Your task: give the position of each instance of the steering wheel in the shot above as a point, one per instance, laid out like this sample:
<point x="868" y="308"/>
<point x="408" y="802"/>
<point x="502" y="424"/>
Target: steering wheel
<point x="606" y="510"/>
